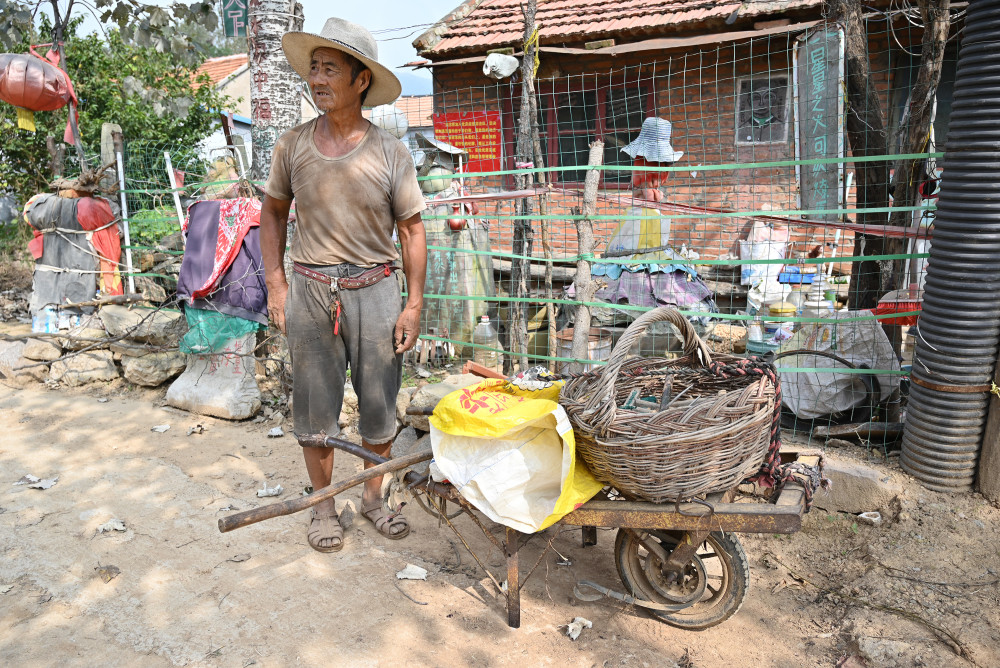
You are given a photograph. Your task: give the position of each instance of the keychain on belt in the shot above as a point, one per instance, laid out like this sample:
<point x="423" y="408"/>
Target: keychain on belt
<point x="335" y="304"/>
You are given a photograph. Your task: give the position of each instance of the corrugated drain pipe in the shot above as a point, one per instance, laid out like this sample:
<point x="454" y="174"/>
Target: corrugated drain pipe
<point x="956" y="349"/>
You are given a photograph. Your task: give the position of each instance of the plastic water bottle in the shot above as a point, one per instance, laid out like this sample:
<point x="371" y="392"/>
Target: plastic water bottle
<point x="485" y="335"/>
<point x="45" y="321"/>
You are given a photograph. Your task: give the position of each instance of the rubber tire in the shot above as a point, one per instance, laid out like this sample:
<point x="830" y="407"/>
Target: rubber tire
<point x="723" y="604"/>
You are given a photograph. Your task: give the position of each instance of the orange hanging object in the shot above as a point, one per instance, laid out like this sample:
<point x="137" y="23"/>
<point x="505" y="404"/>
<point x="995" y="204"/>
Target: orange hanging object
<point x="32" y="83"/>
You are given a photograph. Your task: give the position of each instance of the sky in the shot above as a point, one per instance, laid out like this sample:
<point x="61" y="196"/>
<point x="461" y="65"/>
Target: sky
<point x="394" y="23"/>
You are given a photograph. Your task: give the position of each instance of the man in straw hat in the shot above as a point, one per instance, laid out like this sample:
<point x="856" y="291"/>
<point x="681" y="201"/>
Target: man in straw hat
<point x="353" y="184"/>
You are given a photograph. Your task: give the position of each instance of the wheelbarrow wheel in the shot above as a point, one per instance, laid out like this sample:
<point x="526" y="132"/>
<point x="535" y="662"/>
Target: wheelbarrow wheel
<point x="714" y="582"/>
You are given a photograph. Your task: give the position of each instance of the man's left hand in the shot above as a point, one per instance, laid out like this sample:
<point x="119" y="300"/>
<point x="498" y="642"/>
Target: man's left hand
<point x="407" y="330"/>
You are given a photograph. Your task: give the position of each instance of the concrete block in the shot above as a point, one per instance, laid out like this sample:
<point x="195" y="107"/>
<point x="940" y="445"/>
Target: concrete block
<point x="856" y="488"/>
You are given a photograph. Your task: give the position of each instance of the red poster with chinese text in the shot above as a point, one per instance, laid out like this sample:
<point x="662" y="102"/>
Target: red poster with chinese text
<point x="478" y="132"/>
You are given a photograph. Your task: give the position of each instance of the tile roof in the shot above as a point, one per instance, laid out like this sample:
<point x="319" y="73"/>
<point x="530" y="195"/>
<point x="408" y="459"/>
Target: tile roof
<point x="418" y="110"/>
<point x="218" y="69"/>
<point x="478" y="25"/>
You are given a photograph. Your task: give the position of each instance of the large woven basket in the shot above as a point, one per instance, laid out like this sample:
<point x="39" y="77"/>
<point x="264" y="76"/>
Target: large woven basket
<point x="708" y="439"/>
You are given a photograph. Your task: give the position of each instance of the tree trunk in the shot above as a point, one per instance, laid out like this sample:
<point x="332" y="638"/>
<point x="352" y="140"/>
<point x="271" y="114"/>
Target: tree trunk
<point x="520" y="267"/>
<point x="915" y="127"/>
<point x="866" y="129"/>
<point x="867" y="135"/>
<point x="275" y="89"/>
<point x="584" y="284"/>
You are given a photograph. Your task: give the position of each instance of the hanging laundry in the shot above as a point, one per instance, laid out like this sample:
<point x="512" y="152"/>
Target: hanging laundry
<point x="222" y="268"/>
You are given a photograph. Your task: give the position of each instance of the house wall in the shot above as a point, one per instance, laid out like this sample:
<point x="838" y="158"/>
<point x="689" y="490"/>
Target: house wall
<point x="697" y="92"/>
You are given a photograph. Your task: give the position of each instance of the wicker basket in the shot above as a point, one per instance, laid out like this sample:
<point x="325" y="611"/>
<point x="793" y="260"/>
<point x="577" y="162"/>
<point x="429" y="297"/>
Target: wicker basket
<point x="713" y="434"/>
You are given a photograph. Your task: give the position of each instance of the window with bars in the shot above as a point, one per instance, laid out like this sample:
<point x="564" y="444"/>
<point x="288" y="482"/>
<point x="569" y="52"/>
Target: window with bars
<point x="570" y="120"/>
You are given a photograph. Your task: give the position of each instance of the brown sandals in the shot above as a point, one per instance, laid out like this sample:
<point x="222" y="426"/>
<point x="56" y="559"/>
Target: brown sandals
<point x="325" y="527"/>
<point x="391" y="525"/>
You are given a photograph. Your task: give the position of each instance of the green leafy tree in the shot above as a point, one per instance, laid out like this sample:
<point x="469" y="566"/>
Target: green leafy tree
<point x="149" y="93"/>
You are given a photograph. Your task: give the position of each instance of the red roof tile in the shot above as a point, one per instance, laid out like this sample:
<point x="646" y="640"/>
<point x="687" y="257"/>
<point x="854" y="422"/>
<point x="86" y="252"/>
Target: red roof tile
<point x="218" y="69"/>
<point x="418" y="110"/>
<point x="495" y="23"/>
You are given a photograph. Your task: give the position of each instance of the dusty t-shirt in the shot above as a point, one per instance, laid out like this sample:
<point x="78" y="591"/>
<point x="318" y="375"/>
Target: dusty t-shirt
<point x="345" y="207"/>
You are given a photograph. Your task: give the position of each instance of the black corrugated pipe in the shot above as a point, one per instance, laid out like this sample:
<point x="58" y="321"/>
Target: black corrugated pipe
<point x="960" y="322"/>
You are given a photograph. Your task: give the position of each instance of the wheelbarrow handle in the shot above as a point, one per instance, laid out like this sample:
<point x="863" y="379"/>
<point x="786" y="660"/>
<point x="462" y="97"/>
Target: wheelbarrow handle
<point x="254" y="515"/>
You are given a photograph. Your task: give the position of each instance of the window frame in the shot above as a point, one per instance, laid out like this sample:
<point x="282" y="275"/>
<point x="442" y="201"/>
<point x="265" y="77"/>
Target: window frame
<point x="550" y="137"/>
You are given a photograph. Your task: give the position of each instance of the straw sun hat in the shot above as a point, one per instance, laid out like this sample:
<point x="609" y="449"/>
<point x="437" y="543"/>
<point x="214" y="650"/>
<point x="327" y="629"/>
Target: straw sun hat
<point x="352" y="39"/>
<point x="653" y="142"/>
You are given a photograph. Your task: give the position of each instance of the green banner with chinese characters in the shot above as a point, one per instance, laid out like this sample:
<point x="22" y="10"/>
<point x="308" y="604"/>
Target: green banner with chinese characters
<point x="234" y="17"/>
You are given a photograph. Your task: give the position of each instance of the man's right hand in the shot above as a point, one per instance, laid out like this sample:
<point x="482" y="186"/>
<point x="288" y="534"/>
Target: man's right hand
<point x="276" y="296"/>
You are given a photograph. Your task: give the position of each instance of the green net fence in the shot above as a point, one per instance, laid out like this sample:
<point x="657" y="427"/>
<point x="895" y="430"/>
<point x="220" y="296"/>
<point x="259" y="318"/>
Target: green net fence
<point x="764" y="184"/>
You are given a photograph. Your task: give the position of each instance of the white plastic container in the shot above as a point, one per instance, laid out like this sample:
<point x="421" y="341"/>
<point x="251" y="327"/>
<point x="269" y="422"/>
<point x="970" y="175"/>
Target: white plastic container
<point x="485" y="335"/>
<point x="45" y="321"/>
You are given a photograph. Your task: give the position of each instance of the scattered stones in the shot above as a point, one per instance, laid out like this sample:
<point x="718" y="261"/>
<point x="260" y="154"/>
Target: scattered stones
<point x="403" y="401"/>
<point x="873" y="518"/>
<point x="25" y="371"/>
<point x="42" y="350"/>
<point x="350" y="405"/>
<point x="408" y="442"/>
<point x="154" y="368"/>
<point x="855" y="488"/>
<point x="429" y="395"/>
<point x="10" y="353"/>
<point x="162" y="328"/>
<point x="884" y="653"/>
<point x="90" y="327"/>
<point x="80" y="369"/>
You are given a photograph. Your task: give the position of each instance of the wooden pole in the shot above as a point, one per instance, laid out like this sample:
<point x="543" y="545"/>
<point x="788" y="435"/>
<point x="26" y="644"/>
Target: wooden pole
<point x="585" y="286"/>
<point x="254" y="515"/>
<point x="520" y="273"/>
<point x="988" y="474"/>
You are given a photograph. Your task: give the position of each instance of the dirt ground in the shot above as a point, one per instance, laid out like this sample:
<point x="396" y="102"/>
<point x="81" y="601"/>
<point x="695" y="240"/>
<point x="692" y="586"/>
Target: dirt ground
<point x="186" y="594"/>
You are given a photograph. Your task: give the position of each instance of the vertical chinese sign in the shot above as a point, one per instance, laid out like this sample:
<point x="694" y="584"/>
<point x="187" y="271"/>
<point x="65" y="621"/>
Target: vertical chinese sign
<point x="819" y="119"/>
<point x="234" y="17"/>
<point x="478" y="132"/>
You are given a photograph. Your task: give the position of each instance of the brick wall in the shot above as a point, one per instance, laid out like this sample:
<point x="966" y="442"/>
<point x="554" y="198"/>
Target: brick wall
<point x="697" y="92"/>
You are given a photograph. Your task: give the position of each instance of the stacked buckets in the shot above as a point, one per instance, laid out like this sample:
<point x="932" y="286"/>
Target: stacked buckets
<point x="960" y="322"/>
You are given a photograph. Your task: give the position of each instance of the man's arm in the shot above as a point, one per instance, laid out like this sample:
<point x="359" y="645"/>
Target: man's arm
<point x="273" y="236"/>
<point x="413" y="242"/>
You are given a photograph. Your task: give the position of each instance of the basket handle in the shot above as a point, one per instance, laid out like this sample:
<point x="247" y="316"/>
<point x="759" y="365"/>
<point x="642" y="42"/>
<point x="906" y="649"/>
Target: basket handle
<point x="603" y="397"/>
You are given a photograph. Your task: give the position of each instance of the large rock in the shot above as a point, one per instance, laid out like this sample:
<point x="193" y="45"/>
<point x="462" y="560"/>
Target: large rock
<point x="429" y="395"/>
<point x="42" y="350"/>
<point x="407" y="442"/>
<point x="403" y="401"/>
<point x="29" y="371"/>
<point x="157" y="327"/>
<point x="885" y="652"/>
<point x="90" y="327"/>
<point x="222" y="384"/>
<point x="10" y="353"/>
<point x="856" y="488"/>
<point x="88" y="367"/>
<point x="153" y="369"/>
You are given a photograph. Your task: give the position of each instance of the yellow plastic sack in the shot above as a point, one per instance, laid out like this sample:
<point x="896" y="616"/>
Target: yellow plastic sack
<point x="510" y="452"/>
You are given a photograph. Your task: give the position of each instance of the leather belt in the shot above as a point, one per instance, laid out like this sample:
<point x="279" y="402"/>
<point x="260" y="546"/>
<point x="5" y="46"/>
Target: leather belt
<point x="362" y="280"/>
<point x="337" y="283"/>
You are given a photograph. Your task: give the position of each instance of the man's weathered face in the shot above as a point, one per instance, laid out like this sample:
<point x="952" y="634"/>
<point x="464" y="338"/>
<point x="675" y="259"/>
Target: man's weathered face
<point x="330" y="80"/>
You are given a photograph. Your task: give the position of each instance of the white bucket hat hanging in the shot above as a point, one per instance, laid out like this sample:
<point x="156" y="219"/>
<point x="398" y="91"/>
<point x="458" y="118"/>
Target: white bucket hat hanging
<point x="653" y="142"/>
<point x="351" y="39"/>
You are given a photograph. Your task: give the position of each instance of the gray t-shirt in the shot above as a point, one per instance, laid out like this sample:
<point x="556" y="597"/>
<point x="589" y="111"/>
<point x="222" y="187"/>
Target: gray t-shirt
<point x="345" y="207"/>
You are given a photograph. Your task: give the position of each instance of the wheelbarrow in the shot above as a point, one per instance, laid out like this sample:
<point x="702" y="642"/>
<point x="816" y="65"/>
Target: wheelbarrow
<point x="681" y="562"/>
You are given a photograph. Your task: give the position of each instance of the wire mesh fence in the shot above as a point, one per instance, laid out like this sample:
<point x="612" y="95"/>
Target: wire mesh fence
<point x="762" y="204"/>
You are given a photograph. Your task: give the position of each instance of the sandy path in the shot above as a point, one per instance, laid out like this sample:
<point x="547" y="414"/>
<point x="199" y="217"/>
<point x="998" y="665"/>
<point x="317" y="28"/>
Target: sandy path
<point x="188" y="595"/>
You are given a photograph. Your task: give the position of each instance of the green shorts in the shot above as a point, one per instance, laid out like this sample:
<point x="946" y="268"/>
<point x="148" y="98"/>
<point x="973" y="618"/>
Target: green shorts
<point x="320" y="358"/>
